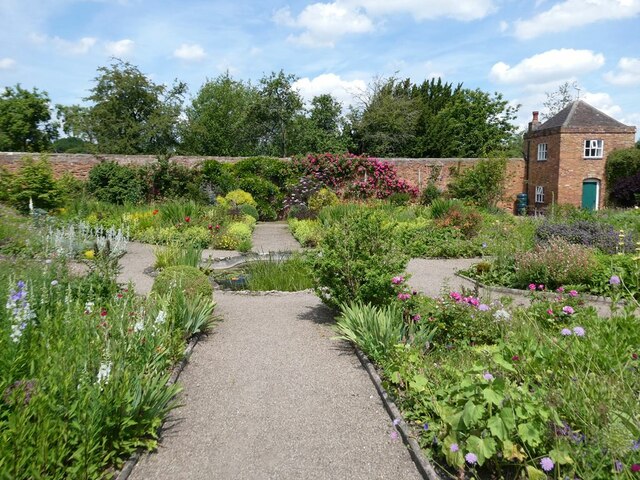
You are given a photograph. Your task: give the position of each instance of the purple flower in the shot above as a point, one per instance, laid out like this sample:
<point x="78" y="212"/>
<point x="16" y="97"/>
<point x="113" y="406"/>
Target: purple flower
<point x="547" y="464"/>
<point x="487" y="376"/>
<point x="614" y="280"/>
<point x="471" y="458"/>
<point x="579" y="331"/>
<point x="425" y="426"/>
<point x="568" y="309"/>
<point x="396" y="422"/>
<point x="483" y="307"/>
<point x="573" y="293"/>
<point x="566" y="332"/>
<point x="619" y="466"/>
<point x="636" y="445"/>
<point x="454" y="447"/>
<point x="397" y="280"/>
<point x="394" y="435"/>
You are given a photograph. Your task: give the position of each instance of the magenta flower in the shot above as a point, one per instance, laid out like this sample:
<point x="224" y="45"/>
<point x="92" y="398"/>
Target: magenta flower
<point x="549" y="311"/>
<point x="579" y="331"/>
<point x="471" y="458"/>
<point x="404" y="296"/>
<point x="397" y="280"/>
<point x="547" y="464"/>
<point x="560" y="289"/>
<point x="532" y="286"/>
<point x="635" y="467"/>
<point x="455" y="296"/>
<point x="454" y="447"/>
<point x="573" y="293"/>
<point x="540" y="287"/>
<point x="568" y="310"/>
<point x="416" y="317"/>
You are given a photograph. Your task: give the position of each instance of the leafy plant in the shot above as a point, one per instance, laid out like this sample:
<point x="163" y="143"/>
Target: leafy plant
<point x="290" y="275"/>
<point x="34" y="182"/>
<point x="483" y="184"/>
<point x="115" y="183"/>
<point x="186" y="278"/>
<point x="177" y="254"/>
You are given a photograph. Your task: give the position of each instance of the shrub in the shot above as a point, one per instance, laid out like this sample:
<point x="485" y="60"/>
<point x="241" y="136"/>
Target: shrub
<point x="115" y="183"/>
<point x="267" y="196"/>
<point x="183" y="277"/>
<point x="274" y="170"/>
<point x="588" y="233"/>
<point x="621" y="164"/>
<point x="441" y="206"/>
<point x="483" y="183"/>
<point x="175" y="212"/>
<point x="168" y="179"/>
<point x="237" y="236"/>
<point x="239" y="197"/>
<point x="307" y="232"/>
<point x="250" y="210"/>
<point x="554" y="264"/>
<point x="358" y="257"/>
<point x="217" y="178"/>
<point x="322" y="198"/>
<point x="430" y="193"/>
<point x="399" y="199"/>
<point x="34" y="181"/>
<point x="626" y="191"/>
<point x="299" y="193"/>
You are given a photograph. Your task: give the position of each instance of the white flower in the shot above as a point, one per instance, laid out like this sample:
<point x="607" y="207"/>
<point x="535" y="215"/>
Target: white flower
<point x="139" y="326"/>
<point x="103" y="373"/>
<point x="16" y="332"/>
<point x="502" y="314"/>
<point x="54" y="283"/>
<point x="162" y="316"/>
<point x="88" y="307"/>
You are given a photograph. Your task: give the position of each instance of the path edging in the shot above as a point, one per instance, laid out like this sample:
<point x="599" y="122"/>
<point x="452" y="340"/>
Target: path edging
<point x="422" y="463"/>
<point x="129" y="465"/>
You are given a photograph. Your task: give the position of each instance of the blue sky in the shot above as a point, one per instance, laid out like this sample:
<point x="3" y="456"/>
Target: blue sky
<point x="519" y="48"/>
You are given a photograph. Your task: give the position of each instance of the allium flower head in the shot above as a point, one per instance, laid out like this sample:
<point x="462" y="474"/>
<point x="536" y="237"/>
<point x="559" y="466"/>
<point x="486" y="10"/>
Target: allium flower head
<point x="471" y="458"/>
<point x="547" y="464"/>
<point x="566" y="332"/>
<point x="579" y="331"/>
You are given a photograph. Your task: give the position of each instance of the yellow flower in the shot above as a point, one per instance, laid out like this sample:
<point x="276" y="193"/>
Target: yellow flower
<point x="90" y="254"/>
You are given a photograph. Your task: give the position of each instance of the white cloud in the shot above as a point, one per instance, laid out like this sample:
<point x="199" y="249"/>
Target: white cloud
<point x="628" y="72"/>
<point x="345" y="91"/>
<point x="7" y="63"/>
<point x="504" y="26"/>
<point x="119" y="48"/>
<point x="575" y="13"/>
<point x="324" y="23"/>
<point x="464" y="10"/>
<point x="79" y="47"/>
<point x="603" y="102"/>
<point x="193" y="52"/>
<point x="552" y="65"/>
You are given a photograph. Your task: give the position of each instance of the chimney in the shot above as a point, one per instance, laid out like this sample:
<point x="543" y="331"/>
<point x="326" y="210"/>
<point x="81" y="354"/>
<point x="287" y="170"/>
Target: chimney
<point x="534" y="123"/>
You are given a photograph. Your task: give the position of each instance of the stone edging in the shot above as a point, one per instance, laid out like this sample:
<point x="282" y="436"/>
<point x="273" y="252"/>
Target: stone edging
<point x="129" y="465"/>
<point x="422" y="463"/>
<point x="261" y="293"/>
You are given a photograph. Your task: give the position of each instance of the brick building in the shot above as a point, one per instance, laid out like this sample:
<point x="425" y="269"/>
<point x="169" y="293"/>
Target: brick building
<point x="565" y="156"/>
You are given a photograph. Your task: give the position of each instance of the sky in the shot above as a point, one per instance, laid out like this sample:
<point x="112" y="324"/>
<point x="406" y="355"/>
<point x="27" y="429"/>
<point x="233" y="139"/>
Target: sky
<point x="521" y="49"/>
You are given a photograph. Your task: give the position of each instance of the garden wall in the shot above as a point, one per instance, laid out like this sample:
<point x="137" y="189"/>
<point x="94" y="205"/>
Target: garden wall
<point x="418" y="171"/>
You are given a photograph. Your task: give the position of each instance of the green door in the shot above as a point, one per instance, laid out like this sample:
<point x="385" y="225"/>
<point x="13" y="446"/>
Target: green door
<point x="590" y="194"/>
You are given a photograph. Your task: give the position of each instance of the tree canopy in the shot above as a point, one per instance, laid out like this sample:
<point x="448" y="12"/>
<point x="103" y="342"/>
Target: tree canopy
<point x="25" y="120"/>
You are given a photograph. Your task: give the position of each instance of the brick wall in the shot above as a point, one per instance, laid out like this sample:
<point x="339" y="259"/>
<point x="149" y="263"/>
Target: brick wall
<point x="416" y="171"/>
<point x="543" y="173"/>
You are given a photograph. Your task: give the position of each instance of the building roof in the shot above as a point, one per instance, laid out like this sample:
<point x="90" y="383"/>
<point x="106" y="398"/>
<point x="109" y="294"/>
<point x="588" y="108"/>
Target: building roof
<point x="580" y="114"/>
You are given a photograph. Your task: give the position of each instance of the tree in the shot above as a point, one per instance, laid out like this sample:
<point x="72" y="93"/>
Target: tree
<point x="218" y="121"/>
<point x="278" y="104"/>
<point x="129" y="113"/>
<point x="25" y="120"/>
<point x="560" y="98"/>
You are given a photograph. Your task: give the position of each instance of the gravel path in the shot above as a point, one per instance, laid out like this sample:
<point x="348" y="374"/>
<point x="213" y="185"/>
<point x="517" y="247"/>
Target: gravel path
<point x="431" y="275"/>
<point x="138" y="257"/>
<point x="274" y="237"/>
<point x="270" y="394"/>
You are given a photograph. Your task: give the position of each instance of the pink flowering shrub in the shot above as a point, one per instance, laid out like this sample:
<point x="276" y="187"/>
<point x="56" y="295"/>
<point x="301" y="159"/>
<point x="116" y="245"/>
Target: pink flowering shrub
<point x="354" y="176"/>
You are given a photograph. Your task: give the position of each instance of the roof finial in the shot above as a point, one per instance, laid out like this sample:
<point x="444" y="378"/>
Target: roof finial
<point x="575" y="85"/>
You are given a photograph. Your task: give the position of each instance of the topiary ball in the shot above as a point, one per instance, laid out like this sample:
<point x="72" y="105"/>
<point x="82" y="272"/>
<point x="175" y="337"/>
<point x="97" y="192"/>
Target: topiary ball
<point x="188" y="279"/>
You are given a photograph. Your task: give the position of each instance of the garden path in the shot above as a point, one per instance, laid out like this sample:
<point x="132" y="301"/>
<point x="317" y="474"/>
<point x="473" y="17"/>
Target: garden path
<point x="431" y="275"/>
<point x="274" y="237"/>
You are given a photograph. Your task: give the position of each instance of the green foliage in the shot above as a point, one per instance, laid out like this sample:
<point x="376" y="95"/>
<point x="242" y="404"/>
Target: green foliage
<point x="621" y="165"/>
<point x="169" y="179"/>
<point x="176" y="254"/>
<point x="483" y="183"/>
<point x="129" y="114"/>
<point x="290" y="275"/>
<point x="34" y="180"/>
<point x="268" y="198"/>
<point x="358" y="257"/>
<point x="430" y="193"/>
<point x="217" y="178"/>
<point x="186" y="278"/>
<point x="239" y="197"/>
<point x="218" y="121"/>
<point x="237" y="236"/>
<point x="111" y="182"/>
<point x="374" y="330"/>
<point x="25" y="120"/>
<point x="555" y="264"/>
<point x="322" y="198"/>
<point x="177" y="212"/>
<point x="71" y="145"/>
<point x="6" y="179"/>
<point x="307" y="232"/>
<point x="248" y="209"/>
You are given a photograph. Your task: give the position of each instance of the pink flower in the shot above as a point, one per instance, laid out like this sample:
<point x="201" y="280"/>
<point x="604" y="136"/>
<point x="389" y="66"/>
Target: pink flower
<point x="568" y="310"/>
<point x="532" y="286"/>
<point x="549" y="311"/>
<point x="560" y="289"/>
<point x="540" y="287"/>
<point x="404" y="296"/>
<point x="573" y="293"/>
<point x="397" y="280"/>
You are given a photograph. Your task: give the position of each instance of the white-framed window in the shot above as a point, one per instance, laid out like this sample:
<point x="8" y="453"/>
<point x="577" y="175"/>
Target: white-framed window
<point x="593" y="148"/>
<point x="542" y="152"/>
<point x="539" y="194"/>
